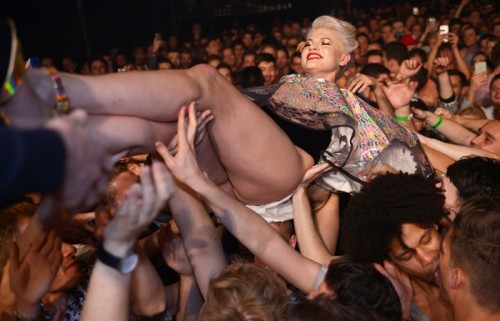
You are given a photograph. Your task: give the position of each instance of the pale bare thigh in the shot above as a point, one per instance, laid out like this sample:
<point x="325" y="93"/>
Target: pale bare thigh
<point x="262" y="163"/>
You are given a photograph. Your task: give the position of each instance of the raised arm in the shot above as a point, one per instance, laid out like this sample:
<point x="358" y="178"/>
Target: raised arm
<point x="451" y="130"/>
<point x="455" y="151"/>
<point x="251" y="229"/>
<point x="310" y="242"/>
<point x="190" y="299"/>
<point x="445" y="88"/>
<point x="203" y="246"/>
<point x="461" y="64"/>
<point x="109" y="289"/>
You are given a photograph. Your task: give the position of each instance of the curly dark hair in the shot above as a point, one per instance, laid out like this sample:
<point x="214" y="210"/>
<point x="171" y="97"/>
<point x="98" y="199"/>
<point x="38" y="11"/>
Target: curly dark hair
<point x="375" y="215"/>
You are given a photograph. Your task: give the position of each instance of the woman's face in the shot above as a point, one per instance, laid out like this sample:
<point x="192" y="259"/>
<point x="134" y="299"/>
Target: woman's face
<point x="323" y="54"/>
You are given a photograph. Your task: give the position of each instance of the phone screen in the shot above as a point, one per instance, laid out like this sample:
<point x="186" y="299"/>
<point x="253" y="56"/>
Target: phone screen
<point x="443" y="29"/>
<point x="479" y="67"/>
<point x="432" y="22"/>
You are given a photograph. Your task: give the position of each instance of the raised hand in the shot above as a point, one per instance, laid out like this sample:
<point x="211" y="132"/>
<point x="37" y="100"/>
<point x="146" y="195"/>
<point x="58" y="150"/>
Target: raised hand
<point x="87" y="163"/>
<point x="31" y="276"/>
<point x="420" y="114"/>
<point x="401" y="282"/>
<point x="408" y="68"/>
<point x="183" y="165"/>
<point x="453" y="40"/>
<point x="141" y="205"/>
<point x="446" y="114"/>
<point x="314" y="173"/>
<point x="399" y="94"/>
<point x="478" y="80"/>
<point x="440" y="64"/>
<point x="360" y="82"/>
<point x="202" y="119"/>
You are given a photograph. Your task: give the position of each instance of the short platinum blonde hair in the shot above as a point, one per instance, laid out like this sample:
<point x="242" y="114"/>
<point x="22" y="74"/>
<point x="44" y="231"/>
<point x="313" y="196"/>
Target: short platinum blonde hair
<point x="346" y="31"/>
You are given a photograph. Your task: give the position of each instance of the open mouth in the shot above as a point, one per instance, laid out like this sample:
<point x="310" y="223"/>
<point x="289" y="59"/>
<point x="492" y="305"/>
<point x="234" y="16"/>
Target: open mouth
<point x="313" y="56"/>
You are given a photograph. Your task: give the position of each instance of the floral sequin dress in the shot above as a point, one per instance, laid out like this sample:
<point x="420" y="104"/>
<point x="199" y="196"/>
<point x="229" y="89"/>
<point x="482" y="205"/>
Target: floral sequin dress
<point x="362" y="136"/>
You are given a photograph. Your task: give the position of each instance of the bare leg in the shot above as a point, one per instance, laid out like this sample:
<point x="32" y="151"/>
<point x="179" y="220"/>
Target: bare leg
<point x="132" y="134"/>
<point x="261" y="162"/>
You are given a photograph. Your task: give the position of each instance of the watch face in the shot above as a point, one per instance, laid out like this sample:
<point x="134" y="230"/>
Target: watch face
<point x="128" y="264"/>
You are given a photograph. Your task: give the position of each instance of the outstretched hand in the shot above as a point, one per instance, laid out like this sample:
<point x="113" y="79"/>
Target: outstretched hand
<point x="202" y="119"/>
<point x="314" y="173"/>
<point x="408" y="68"/>
<point x="31" y="276"/>
<point x="401" y="282"/>
<point x="360" y="82"/>
<point x="87" y="163"/>
<point x="440" y="64"/>
<point x="141" y="205"/>
<point x="183" y="165"/>
<point x="399" y="94"/>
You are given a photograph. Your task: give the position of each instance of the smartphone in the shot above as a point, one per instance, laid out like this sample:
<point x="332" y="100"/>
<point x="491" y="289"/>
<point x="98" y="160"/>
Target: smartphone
<point x="432" y="22"/>
<point x="444" y="30"/>
<point x="479" y="67"/>
<point x="158" y="36"/>
<point x="415" y="11"/>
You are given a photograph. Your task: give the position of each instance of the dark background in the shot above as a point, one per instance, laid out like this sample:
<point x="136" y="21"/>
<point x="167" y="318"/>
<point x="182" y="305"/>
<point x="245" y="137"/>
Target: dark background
<point x="83" y="28"/>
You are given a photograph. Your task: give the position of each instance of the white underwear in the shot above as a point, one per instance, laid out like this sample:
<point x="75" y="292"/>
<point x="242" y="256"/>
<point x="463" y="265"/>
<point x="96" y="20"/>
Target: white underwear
<point x="279" y="211"/>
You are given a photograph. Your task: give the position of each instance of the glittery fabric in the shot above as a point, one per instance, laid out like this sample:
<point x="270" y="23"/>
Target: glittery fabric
<point x="360" y="133"/>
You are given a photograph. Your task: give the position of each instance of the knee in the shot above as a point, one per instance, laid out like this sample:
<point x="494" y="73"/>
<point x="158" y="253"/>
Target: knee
<point x="206" y="75"/>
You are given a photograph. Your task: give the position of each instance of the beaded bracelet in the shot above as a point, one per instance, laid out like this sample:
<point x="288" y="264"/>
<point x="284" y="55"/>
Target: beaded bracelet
<point x="403" y="118"/>
<point x="62" y="101"/>
<point x="439" y="122"/>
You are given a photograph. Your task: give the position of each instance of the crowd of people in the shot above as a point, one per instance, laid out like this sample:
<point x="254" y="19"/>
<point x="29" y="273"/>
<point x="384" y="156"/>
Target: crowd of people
<point x="344" y="168"/>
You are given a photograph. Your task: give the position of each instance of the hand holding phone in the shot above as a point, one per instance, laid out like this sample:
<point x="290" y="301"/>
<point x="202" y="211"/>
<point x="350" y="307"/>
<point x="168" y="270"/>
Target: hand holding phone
<point x="479" y="67"/>
<point x="432" y="23"/>
<point x="444" y="30"/>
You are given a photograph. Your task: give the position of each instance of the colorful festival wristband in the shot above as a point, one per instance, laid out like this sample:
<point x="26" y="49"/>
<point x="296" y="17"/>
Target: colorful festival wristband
<point x="62" y="101"/>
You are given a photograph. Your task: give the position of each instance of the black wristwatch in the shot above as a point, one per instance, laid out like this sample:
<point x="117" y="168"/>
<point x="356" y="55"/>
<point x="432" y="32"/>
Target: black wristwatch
<point x="125" y="265"/>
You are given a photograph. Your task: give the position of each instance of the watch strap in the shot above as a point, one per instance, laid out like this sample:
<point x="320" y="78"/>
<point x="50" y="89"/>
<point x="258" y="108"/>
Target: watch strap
<point x="111" y="260"/>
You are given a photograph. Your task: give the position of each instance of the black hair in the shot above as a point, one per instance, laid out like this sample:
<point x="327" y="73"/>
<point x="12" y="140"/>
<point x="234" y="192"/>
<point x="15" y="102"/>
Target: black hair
<point x="474" y="176"/>
<point x="460" y="75"/>
<point x="495" y="55"/>
<point x="375" y="215"/>
<point x="251" y="77"/>
<point x="419" y="52"/>
<point x="264" y="57"/>
<point x="374" y="70"/>
<point x="421" y="78"/>
<point x="359" y="283"/>
<point x="374" y="52"/>
<point x="362" y="34"/>
<point x="397" y="51"/>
